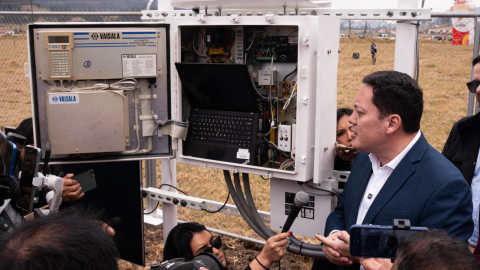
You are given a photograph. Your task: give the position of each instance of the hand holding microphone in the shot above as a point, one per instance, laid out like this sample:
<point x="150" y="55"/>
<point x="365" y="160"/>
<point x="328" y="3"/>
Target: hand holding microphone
<point x="301" y="199"/>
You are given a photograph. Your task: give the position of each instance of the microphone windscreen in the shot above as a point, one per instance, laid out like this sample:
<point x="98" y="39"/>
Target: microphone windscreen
<point x="301" y="198"/>
<point x="114" y="221"/>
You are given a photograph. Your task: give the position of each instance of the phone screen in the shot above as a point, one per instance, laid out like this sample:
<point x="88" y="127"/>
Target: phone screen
<point x="29" y="170"/>
<point x="375" y="242"/>
<point x="8" y="151"/>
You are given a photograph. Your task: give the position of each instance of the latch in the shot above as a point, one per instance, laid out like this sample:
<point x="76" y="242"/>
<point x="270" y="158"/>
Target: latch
<point x="270" y="18"/>
<point x="235" y="18"/>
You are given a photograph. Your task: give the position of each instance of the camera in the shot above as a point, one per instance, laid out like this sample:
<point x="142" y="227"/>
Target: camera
<point x="207" y="260"/>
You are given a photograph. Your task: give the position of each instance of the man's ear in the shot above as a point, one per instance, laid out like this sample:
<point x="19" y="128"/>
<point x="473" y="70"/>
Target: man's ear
<point x="394" y="123"/>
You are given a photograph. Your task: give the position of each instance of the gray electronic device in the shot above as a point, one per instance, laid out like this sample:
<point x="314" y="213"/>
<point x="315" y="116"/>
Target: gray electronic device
<point x="86" y="180"/>
<point x="100" y="91"/>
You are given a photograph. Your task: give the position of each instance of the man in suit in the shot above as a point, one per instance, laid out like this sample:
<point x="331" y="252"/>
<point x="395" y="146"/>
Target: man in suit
<point x="462" y="149"/>
<point x="403" y="177"/>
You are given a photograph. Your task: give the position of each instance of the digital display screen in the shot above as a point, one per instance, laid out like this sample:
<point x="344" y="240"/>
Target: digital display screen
<point x="58" y="39"/>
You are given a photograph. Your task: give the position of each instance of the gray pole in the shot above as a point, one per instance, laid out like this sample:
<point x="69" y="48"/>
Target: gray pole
<point x="471" y="96"/>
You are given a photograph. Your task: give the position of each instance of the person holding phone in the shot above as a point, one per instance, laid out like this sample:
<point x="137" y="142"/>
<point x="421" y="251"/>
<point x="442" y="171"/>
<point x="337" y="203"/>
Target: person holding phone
<point x="187" y="240"/>
<point x="72" y="191"/>
<point x="396" y="174"/>
<point x="427" y="250"/>
<point x="462" y="149"/>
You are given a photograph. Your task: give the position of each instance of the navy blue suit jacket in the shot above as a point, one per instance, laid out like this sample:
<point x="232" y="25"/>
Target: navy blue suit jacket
<point x="425" y="188"/>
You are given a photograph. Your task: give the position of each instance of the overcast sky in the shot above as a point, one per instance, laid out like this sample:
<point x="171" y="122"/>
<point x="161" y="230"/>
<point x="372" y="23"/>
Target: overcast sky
<point x="436" y="5"/>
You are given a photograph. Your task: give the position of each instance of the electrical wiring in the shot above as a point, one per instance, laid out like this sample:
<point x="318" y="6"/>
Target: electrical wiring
<point x="293" y="94"/>
<point x="321" y="189"/>
<point x="155" y="208"/>
<point x="204" y="56"/>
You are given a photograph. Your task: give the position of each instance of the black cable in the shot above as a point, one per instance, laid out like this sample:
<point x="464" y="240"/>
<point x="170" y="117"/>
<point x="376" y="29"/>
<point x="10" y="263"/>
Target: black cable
<point x="153" y="209"/>
<point x="321" y="189"/>
<point x="291" y="73"/>
<point x="174" y="188"/>
<point x="213" y="212"/>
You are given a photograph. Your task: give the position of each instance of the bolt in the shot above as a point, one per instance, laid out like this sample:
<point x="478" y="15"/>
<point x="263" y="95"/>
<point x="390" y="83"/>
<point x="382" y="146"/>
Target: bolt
<point x="339" y="50"/>
<point x="165" y="14"/>
<point x="325" y="148"/>
<point x="390" y="13"/>
<point x="414" y="14"/>
<point x="314" y="12"/>
<point x="329" y="51"/>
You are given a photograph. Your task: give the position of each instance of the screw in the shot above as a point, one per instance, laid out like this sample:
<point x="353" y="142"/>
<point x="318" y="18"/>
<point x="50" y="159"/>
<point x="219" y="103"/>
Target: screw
<point x="329" y="51"/>
<point x="414" y="14"/>
<point x="314" y="12"/>
<point x="390" y="13"/>
<point x="339" y="50"/>
<point x="165" y="14"/>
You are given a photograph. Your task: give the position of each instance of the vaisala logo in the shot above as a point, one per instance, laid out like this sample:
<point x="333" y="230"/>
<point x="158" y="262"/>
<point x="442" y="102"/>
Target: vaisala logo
<point x="55" y="99"/>
<point x="94" y="36"/>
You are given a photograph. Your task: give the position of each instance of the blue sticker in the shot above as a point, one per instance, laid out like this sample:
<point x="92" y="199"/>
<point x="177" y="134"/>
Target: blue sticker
<point x="87" y="64"/>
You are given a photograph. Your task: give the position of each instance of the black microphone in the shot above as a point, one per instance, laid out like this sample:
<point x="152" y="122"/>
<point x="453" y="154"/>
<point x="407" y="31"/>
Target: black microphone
<point x="301" y="199"/>
<point x="114" y="222"/>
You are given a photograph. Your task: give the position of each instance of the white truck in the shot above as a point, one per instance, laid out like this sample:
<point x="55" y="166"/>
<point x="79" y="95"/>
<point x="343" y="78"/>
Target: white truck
<point x="384" y="36"/>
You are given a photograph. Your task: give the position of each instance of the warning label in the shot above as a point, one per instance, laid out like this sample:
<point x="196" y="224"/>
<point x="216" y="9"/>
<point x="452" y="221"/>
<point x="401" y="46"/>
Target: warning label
<point x="139" y="65"/>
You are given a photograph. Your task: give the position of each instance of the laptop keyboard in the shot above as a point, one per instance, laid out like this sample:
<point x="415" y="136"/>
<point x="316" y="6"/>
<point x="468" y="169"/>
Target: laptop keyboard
<point x="229" y="128"/>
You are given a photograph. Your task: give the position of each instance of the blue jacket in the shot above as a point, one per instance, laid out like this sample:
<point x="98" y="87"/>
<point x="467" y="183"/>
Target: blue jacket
<point x="425" y="188"/>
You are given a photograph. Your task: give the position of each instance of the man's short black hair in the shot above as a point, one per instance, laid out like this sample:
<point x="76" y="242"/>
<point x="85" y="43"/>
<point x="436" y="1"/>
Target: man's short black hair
<point x="178" y="241"/>
<point x="26" y="130"/>
<point x="65" y="240"/>
<point x="475" y="61"/>
<point x="397" y="93"/>
<point x="434" y="250"/>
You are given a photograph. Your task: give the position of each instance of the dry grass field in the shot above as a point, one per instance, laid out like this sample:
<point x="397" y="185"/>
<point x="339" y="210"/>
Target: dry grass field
<point x="444" y="70"/>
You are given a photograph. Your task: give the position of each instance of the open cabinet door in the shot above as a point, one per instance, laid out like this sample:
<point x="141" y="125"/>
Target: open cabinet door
<point x="231" y="57"/>
<point x="326" y="100"/>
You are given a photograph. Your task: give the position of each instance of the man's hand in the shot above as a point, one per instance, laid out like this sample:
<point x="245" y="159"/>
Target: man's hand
<point x="337" y="248"/>
<point x="347" y="155"/>
<point x="71" y="189"/>
<point x="376" y="263"/>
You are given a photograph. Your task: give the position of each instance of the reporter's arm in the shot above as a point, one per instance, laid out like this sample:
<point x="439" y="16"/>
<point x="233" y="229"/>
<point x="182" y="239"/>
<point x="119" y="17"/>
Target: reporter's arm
<point x="274" y="250"/>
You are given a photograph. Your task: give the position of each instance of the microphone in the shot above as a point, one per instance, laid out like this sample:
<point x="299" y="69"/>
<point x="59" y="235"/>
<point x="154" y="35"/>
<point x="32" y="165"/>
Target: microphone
<point x="114" y="222"/>
<point x="301" y="199"/>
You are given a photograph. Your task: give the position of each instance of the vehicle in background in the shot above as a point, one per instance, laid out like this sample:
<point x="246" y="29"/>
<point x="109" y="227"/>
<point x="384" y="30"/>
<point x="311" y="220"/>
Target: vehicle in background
<point x="436" y="38"/>
<point x="384" y="36"/>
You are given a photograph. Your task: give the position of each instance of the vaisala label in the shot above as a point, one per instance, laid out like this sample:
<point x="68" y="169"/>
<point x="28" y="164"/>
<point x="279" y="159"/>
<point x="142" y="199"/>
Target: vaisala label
<point x="64" y="99"/>
<point x="109" y="35"/>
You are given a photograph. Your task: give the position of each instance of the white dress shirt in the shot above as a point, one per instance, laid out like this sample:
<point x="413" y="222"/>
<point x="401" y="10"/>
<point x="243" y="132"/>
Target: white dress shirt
<point x="379" y="177"/>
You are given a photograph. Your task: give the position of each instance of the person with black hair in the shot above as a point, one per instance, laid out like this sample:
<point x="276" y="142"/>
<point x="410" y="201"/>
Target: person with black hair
<point x="462" y="149"/>
<point x="403" y="177"/>
<point x="427" y="250"/>
<point x="344" y="157"/>
<point x="66" y="240"/>
<point x="187" y="240"/>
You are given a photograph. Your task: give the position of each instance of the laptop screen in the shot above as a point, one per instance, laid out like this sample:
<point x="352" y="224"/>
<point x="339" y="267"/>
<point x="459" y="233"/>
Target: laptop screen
<point x="225" y="87"/>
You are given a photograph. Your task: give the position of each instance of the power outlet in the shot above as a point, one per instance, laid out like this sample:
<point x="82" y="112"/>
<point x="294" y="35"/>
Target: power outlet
<point x="285" y="138"/>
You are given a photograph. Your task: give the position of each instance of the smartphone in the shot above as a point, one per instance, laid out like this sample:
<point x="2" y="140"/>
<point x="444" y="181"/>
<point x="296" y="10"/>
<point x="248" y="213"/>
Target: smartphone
<point x="31" y="161"/>
<point x="8" y="152"/>
<point x="376" y="241"/>
<point x="345" y="148"/>
<point x="86" y="180"/>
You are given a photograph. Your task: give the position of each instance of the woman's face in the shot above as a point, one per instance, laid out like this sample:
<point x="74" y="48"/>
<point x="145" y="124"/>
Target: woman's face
<point x="203" y="240"/>
<point x="344" y="131"/>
